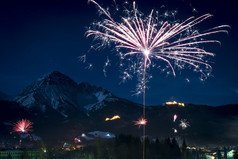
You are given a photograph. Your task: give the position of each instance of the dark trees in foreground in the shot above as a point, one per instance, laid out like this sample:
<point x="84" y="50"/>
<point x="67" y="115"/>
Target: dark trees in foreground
<point x="129" y="147"/>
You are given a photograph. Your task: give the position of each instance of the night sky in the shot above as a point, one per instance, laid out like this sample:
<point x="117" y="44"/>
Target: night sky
<point x="40" y="36"/>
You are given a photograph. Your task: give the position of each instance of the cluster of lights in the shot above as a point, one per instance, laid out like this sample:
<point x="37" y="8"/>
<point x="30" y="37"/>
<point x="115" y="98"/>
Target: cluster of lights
<point x="113" y="118"/>
<point x="175" y="103"/>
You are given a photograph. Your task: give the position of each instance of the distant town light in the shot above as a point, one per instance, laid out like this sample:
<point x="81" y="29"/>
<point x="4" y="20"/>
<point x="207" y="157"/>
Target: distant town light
<point x="113" y="118"/>
<point x="175" y="103"/>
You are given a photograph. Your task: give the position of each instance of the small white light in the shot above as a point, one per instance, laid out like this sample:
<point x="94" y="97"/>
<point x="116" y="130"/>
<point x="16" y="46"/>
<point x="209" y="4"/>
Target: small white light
<point x="146" y="52"/>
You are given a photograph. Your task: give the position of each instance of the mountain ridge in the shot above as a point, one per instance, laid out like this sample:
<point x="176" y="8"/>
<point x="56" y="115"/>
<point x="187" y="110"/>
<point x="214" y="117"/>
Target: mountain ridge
<point x="61" y="93"/>
<point x="84" y="108"/>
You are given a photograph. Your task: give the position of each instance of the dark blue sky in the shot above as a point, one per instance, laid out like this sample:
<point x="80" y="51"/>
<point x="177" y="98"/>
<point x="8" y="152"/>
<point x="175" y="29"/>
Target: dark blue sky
<point x="37" y="37"/>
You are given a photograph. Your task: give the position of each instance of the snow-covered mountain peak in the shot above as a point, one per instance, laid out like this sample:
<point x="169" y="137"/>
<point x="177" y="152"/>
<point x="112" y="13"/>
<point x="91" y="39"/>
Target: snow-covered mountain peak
<point x="59" y="92"/>
<point x="55" y="78"/>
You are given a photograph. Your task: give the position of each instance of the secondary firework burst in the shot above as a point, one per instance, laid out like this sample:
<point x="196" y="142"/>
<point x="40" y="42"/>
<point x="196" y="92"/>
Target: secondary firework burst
<point x="23" y="126"/>
<point x="184" y="123"/>
<point x="141" y="121"/>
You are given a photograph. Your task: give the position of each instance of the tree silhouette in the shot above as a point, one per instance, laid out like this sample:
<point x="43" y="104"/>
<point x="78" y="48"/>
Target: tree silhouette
<point x="9" y="156"/>
<point x="225" y="153"/>
<point x="218" y="154"/>
<point x="25" y="155"/>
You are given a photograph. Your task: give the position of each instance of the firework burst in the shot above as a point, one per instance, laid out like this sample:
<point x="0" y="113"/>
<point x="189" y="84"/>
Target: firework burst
<point x="141" y="121"/>
<point x="149" y="39"/>
<point x="184" y="124"/>
<point x="145" y="40"/>
<point x="23" y="126"/>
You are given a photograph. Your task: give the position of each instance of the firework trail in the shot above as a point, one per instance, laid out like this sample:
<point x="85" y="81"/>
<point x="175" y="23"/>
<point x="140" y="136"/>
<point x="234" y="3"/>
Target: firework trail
<point x="82" y="58"/>
<point x="23" y="126"/>
<point x="184" y="123"/>
<point x="147" y="39"/>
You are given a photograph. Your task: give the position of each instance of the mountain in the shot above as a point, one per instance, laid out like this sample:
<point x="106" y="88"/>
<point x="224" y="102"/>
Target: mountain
<point x="4" y="96"/>
<point x="61" y="110"/>
<point x="57" y="92"/>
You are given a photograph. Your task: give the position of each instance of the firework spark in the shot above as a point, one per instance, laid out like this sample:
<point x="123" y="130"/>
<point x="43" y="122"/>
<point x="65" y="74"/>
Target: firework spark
<point x="141" y="121"/>
<point x="77" y="140"/>
<point x="184" y="123"/>
<point x="175" y="117"/>
<point x="23" y="126"/>
<point x="175" y="130"/>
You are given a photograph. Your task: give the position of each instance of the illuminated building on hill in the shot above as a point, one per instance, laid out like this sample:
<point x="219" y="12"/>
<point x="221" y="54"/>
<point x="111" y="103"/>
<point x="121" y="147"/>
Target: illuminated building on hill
<point x="175" y="103"/>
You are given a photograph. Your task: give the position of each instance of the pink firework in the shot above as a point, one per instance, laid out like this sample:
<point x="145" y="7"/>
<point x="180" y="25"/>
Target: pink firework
<point x="175" y="117"/>
<point x="23" y="126"/>
<point x="77" y="140"/>
<point x="150" y="39"/>
<point x="141" y="121"/>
